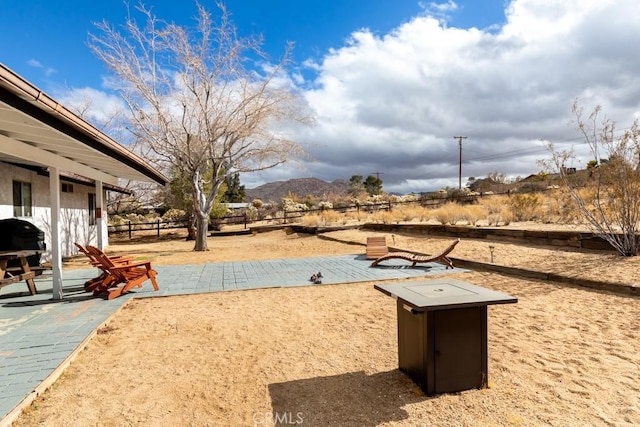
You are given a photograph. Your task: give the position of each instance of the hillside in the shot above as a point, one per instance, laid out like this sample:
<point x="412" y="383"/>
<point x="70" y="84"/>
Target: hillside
<point x="302" y="187"/>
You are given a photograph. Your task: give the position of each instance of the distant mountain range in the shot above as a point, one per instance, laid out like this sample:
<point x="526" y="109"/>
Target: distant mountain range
<point x="302" y="187"/>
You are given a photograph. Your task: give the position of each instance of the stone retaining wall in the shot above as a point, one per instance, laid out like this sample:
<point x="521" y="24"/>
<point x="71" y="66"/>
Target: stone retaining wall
<point x="574" y="239"/>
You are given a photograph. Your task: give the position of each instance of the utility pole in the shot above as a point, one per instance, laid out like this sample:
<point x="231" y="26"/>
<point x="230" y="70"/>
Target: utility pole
<point x="460" y="138"/>
<point x="378" y="177"/>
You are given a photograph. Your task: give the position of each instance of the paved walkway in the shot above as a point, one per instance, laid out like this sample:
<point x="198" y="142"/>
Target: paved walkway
<point x="38" y="336"/>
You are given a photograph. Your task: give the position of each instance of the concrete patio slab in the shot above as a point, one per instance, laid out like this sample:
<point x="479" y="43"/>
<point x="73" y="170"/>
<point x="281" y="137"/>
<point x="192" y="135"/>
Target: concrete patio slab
<point x="39" y="336"/>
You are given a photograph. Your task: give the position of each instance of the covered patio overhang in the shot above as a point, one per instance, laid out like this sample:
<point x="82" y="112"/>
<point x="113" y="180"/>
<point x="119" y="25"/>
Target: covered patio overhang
<point x="36" y="130"/>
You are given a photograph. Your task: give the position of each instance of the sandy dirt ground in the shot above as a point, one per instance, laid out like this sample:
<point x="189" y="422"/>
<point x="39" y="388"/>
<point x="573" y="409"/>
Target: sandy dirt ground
<point x="327" y="355"/>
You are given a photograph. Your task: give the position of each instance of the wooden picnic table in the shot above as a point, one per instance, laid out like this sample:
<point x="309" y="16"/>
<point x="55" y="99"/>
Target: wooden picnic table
<point x="10" y="275"/>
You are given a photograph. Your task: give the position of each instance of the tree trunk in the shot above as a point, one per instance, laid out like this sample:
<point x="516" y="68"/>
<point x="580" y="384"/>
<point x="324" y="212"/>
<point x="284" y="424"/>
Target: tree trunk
<point x="202" y="228"/>
<point x="191" y="228"/>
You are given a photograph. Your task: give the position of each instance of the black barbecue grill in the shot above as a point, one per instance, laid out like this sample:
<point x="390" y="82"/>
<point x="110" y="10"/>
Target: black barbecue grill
<point x="17" y="234"/>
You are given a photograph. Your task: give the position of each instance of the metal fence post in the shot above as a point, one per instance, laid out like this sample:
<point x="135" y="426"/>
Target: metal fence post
<point x="129" y="230"/>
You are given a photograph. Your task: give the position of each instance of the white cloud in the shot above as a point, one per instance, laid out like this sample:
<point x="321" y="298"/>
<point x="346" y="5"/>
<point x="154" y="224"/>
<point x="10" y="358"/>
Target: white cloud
<point x="439" y="9"/>
<point x="393" y="103"/>
<point x="48" y="71"/>
<point x="34" y="63"/>
<point x="93" y="105"/>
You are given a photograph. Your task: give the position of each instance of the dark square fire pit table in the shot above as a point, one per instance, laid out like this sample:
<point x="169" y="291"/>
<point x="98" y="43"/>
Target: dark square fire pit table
<point x="442" y="332"/>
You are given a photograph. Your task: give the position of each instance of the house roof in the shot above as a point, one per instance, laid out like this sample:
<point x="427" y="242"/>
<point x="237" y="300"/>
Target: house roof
<point x="37" y="130"/>
<point x="73" y="178"/>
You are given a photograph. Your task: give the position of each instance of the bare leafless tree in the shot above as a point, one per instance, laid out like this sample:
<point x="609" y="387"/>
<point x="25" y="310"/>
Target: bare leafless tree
<point x="609" y="198"/>
<point x="204" y="101"/>
<point x="113" y="121"/>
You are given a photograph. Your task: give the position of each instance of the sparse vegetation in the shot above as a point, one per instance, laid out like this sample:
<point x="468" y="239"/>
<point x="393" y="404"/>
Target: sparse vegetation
<point x="546" y="203"/>
<point x="607" y="196"/>
<point x="524" y="207"/>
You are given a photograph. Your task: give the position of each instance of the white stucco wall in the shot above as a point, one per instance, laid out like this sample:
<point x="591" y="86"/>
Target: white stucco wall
<point x="74" y="215"/>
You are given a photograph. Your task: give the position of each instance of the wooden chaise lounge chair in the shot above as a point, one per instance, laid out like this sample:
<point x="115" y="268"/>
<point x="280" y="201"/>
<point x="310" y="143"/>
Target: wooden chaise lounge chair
<point x="376" y="247"/>
<point x="130" y="275"/>
<point x="414" y="258"/>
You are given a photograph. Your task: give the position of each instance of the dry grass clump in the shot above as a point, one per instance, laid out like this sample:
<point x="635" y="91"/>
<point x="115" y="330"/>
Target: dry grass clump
<point x="556" y="210"/>
<point x="332" y="217"/>
<point x="384" y="217"/>
<point x="408" y="213"/>
<point x="324" y="218"/>
<point x="554" y="206"/>
<point x="312" y="220"/>
<point x="357" y="216"/>
<point x="493" y="204"/>
<point x="471" y="214"/>
<point x="449" y="213"/>
<point x="503" y="217"/>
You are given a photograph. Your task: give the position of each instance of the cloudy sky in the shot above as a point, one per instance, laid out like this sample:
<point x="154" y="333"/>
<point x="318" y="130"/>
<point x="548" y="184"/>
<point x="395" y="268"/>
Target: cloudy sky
<point x="392" y="83"/>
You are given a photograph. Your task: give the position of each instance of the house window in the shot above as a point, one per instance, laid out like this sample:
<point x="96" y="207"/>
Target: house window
<point x="67" y="188"/>
<point x="92" y="209"/>
<point x="21" y="198"/>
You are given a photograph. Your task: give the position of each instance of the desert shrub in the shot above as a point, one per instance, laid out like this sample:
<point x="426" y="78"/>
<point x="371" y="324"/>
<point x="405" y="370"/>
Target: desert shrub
<point x="269" y="211"/>
<point x="612" y="208"/>
<point x="376" y="199"/>
<point x="357" y="216"/>
<point x="472" y="213"/>
<point x="174" y="215"/>
<point x="218" y="211"/>
<point x="324" y="205"/>
<point x="506" y="216"/>
<point x="252" y="213"/>
<point x="408" y="213"/>
<point x="409" y="198"/>
<point x="558" y="207"/>
<point x="331" y="217"/>
<point x="503" y="217"/>
<point x="493" y="204"/>
<point x="257" y="203"/>
<point x="422" y="214"/>
<point x="493" y="219"/>
<point x="447" y="213"/>
<point x="384" y="217"/>
<point x="524" y="207"/>
<point x="289" y="205"/>
<point x="549" y="211"/>
<point x="116" y="220"/>
<point x="311" y="220"/>
<point x="294" y="217"/>
<point x="134" y="217"/>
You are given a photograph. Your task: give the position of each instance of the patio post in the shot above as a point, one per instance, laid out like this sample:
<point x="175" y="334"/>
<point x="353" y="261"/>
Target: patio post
<point x="56" y="256"/>
<point x="100" y="222"/>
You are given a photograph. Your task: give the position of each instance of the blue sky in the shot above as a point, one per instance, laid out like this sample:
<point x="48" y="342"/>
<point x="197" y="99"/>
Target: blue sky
<point x="46" y="41"/>
<point x="392" y="81"/>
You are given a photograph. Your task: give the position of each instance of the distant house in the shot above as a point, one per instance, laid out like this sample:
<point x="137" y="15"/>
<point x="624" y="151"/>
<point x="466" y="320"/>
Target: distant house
<point x="237" y="206"/>
<point x="55" y="168"/>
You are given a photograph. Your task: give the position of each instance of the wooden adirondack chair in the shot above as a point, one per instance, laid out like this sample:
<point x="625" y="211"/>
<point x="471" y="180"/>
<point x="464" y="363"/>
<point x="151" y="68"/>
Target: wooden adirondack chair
<point x="130" y="275"/>
<point x="103" y="279"/>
